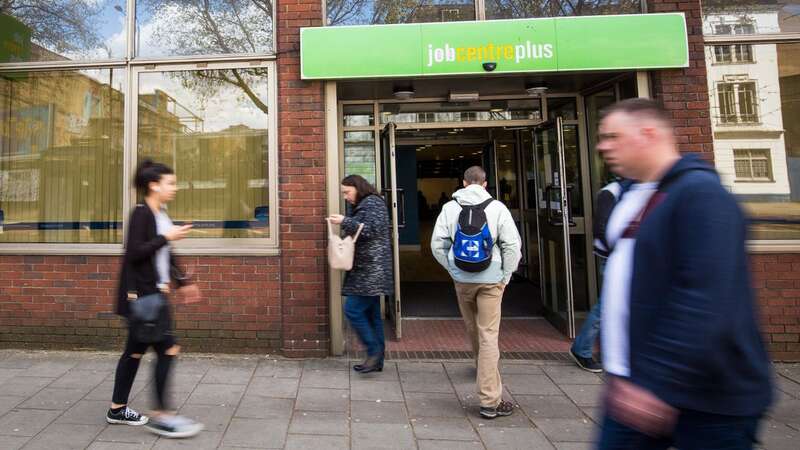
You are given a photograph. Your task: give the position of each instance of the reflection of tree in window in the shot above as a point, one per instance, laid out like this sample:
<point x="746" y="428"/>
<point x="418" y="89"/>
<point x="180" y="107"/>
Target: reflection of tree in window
<point x="366" y="12"/>
<point x="206" y="27"/>
<point x="61" y="26"/>
<point x="512" y="9"/>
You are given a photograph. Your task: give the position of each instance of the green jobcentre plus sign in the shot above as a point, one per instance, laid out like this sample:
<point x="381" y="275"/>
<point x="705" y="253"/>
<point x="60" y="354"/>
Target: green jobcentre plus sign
<point x="641" y="41"/>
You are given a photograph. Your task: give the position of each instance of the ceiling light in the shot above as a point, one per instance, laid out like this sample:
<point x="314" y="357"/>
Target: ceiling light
<point x="536" y="89"/>
<point x="498" y="106"/>
<point x="404" y="92"/>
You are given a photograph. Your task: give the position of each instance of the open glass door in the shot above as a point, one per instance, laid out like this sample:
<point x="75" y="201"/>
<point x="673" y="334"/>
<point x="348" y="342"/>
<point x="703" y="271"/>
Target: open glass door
<point x="394" y="199"/>
<point x="554" y="192"/>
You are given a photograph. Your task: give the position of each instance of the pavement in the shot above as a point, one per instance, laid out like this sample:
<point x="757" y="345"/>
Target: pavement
<point x="58" y="400"/>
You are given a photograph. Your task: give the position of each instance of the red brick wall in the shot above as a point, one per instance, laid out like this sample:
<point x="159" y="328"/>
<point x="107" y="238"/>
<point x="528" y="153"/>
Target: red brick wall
<point x="68" y="302"/>
<point x="776" y="278"/>
<point x="251" y="304"/>
<point x="302" y="189"/>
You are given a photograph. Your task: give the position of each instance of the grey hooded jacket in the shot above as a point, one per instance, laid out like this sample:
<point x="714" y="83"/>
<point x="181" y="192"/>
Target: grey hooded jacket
<point x="506" y="252"/>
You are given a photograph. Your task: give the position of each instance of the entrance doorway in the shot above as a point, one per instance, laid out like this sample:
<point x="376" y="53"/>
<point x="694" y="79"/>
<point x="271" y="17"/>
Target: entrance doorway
<point x="535" y="170"/>
<point x="536" y="151"/>
<point x="430" y="165"/>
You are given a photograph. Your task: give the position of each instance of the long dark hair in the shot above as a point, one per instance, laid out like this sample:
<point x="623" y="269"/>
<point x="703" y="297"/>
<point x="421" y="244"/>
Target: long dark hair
<point x="148" y="172"/>
<point x="363" y="187"/>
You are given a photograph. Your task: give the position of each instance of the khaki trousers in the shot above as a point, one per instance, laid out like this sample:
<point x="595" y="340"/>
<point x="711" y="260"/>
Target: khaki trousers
<point x="480" y="308"/>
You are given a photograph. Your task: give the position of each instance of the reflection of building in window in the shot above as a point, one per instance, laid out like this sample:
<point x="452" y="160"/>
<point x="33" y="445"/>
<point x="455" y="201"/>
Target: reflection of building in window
<point x="747" y="120"/>
<point x="738" y="101"/>
<point x="752" y="164"/>
<point x="729" y="54"/>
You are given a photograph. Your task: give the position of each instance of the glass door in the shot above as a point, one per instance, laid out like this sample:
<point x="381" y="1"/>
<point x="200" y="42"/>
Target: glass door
<point x="394" y="201"/>
<point x="554" y="193"/>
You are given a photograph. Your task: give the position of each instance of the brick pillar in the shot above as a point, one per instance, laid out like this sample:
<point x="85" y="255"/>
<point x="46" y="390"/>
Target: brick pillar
<point x="301" y="140"/>
<point x="684" y="92"/>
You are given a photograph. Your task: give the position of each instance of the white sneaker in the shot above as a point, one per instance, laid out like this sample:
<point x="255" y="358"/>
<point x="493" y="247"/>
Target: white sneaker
<point x="174" y="426"/>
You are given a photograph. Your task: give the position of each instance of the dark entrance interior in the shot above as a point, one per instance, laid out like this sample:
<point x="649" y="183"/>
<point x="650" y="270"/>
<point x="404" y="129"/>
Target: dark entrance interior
<point x="430" y="165"/>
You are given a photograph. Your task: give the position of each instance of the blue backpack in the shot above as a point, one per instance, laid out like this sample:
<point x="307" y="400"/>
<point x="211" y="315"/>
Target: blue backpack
<point x="472" y="244"/>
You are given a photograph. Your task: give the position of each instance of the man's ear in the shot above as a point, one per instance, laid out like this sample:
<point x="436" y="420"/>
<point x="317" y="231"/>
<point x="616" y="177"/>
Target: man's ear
<point x="484" y="184"/>
<point x="464" y="182"/>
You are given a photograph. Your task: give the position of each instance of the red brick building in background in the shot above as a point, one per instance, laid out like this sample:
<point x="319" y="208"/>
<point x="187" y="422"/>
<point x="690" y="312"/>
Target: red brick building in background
<point x="58" y="292"/>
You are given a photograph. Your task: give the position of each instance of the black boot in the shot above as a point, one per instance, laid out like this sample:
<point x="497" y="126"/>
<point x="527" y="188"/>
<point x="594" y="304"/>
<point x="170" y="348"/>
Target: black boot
<point x="372" y="364"/>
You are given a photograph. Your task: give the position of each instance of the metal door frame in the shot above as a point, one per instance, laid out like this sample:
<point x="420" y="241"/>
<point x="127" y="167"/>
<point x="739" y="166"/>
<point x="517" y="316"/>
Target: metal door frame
<point x="388" y="133"/>
<point x="557" y="126"/>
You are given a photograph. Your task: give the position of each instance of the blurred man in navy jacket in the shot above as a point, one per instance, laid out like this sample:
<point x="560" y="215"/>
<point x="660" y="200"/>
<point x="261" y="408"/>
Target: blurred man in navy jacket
<point x="680" y="332"/>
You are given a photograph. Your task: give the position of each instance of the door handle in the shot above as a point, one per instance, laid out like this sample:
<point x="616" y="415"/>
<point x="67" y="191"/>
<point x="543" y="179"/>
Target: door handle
<point x="401" y="206"/>
<point x="554" y="216"/>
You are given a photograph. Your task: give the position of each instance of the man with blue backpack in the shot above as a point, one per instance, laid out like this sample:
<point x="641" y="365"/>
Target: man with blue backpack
<point x="477" y="241"/>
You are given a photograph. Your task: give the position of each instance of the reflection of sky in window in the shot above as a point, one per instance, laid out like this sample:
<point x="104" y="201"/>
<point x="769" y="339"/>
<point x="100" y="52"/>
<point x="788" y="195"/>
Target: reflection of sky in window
<point x="351" y="12"/>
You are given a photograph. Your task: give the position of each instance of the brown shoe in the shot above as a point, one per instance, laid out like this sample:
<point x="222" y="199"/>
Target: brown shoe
<point x="503" y="409"/>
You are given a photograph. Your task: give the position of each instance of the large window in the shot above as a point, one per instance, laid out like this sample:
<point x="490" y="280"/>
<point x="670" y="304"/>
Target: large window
<point x="59" y="30"/>
<point x="201" y="77"/>
<point x="61" y="153"/>
<point x="211" y="127"/>
<point x="209" y="27"/>
<point x="755" y="109"/>
<point x="370" y="12"/>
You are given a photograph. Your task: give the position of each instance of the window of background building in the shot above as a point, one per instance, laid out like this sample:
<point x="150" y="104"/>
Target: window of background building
<point x="370" y="12"/>
<point x="738" y="102"/>
<point x="755" y="109"/>
<point x="752" y="165"/>
<point x="730" y="54"/>
<point x="61" y="153"/>
<point x="211" y="126"/>
<point x="62" y="30"/>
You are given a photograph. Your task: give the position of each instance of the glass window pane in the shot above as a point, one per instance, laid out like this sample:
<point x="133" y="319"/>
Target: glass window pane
<point x="757" y="152"/>
<point x="518" y="9"/>
<point x="217" y="27"/>
<point x="59" y="30"/>
<point x="359" y="115"/>
<point x="211" y="127"/>
<point x="743" y="17"/>
<point x="564" y="107"/>
<point x="369" y="12"/>
<point x="61" y="147"/>
<point x="507" y="184"/>
<point x="359" y="154"/>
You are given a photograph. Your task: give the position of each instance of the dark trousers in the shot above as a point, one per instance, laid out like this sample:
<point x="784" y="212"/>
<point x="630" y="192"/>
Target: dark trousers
<point x="128" y="366"/>
<point x="694" y="431"/>
<point x="364" y="314"/>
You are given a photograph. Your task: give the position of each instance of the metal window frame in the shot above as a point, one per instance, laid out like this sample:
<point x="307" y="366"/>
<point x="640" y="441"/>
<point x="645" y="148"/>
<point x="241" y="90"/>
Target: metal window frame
<point x="213" y="246"/>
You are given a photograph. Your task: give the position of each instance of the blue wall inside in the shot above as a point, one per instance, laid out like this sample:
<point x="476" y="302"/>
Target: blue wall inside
<point x="407" y="180"/>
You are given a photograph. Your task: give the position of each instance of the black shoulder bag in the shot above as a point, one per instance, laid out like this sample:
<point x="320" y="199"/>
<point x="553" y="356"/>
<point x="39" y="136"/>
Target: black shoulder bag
<point x="149" y="318"/>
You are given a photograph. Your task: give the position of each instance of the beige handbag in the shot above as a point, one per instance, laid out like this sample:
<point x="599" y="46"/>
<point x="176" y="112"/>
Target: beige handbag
<point x="341" y="250"/>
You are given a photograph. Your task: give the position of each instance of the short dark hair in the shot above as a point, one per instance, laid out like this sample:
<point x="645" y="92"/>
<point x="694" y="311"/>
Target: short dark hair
<point x="363" y="187"/>
<point x="148" y="172"/>
<point x="642" y="107"/>
<point x="475" y="175"/>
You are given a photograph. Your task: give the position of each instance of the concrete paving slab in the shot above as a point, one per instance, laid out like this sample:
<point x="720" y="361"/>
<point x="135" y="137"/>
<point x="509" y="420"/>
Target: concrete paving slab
<point x="327" y="379"/>
<point x="426" y="382"/>
<point x="378" y="412"/>
<point x="256" y="433"/>
<point x="26" y="422"/>
<point x="449" y="445"/>
<point x="571" y="375"/>
<point x="449" y="429"/>
<point x="265" y="408"/>
<point x="216" y="394"/>
<point x="327" y="400"/>
<point x="304" y="442"/>
<point x="367" y="390"/>
<point x="433" y="405"/>
<point x="213" y="417"/>
<point x="272" y="387"/>
<point x="567" y="430"/>
<point x="584" y="395"/>
<point x="519" y="384"/>
<point x="65" y="436"/>
<point x="80" y="379"/>
<point x="313" y="422"/>
<point x="379" y="436"/>
<point x="549" y="406"/>
<point x="228" y="375"/>
<point x="24" y="386"/>
<point x="206" y="440"/>
<point x="514" y="439"/>
<point x="58" y="399"/>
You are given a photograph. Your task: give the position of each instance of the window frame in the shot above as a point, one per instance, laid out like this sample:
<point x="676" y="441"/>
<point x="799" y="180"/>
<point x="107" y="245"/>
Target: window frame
<point x="218" y="246"/>
<point x="732" y="53"/>
<point x="767" y="155"/>
<point x="736" y="103"/>
<point x="212" y="246"/>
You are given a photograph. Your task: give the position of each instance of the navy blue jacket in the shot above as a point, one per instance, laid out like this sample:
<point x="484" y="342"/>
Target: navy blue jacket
<point x="694" y="334"/>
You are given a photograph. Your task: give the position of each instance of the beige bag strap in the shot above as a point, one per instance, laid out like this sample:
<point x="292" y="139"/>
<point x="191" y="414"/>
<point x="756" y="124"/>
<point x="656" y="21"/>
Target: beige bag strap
<point x="332" y="234"/>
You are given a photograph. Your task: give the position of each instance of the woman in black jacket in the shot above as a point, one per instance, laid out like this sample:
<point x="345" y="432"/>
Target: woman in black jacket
<point x="148" y="267"/>
<point x="371" y="275"/>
